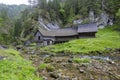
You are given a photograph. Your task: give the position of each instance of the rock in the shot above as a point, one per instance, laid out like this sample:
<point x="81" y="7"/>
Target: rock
<point x="91" y="16"/>
<point x="27" y="43"/>
<point x="118" y="50"/>
<point x="45" y="78"/>
<point x="70" y="60"/>
<point x="54" y="75"/>
<point x="108" y="49"/>
<point x="30" y="50"/>
<point x="18" y="47"/>
<point x="60" y="75"/>
<point x="48" y="60"/>
<point x="71" y="56"/>
<point x="77" y="21"/>
<point x="101" y="26"/>
<point x="91" y="78"/>
<point x="1" y="47"/>
<point x="2" y="58"/>
<point x="75" y="78"/>
<point x="83" y="65"/>
<point x="111" y="62"/>
<point x="50" y="68"/>
<point x="99" y="52"/>
<point x="66" y="77"/>
<point x="117" y="76"/>
<point x="82" y="71"/>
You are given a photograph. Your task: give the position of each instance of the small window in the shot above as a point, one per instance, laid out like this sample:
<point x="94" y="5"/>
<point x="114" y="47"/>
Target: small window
<point x="38" y="37"/>
<point x="48" y="42"/>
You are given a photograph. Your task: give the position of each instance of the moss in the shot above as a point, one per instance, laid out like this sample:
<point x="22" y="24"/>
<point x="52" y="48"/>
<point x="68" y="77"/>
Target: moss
<point x="33" y="44"/>
<point x="50" y="68"/>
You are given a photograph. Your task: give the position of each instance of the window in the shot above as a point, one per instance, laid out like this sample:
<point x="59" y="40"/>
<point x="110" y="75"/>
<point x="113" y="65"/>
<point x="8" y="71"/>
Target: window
<point x="48" y="42"/>
<point x="38" y="37"/>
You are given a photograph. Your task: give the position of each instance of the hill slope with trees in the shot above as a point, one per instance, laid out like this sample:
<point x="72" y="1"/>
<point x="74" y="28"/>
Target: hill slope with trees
<point x="62" y="12"/>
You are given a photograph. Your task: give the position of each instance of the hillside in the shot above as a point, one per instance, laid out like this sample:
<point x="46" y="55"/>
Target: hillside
<point x="60" y="40"/>
<point x="81" y="59"/>
<point x="12" y="10"/>
<point x="65" y="61"/>
<point x="107" y="40"/>
<point x="14" y="67"/>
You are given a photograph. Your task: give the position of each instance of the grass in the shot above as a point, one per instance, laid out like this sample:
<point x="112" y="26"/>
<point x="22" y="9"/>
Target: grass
<point x="48" y="67"/>
<point x="14" y="67"/>
<point x="108" y="38"/>
<point x="43" y="66"/>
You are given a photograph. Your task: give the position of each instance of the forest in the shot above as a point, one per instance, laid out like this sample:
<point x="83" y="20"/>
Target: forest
<point x="23" y="58"/>
<point x="20" y="20"/>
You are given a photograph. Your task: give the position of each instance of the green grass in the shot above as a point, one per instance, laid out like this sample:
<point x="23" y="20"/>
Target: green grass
<point x="108" y="38"/>
<point x="43" y="66"/>
<point x="14" y="67"/>
<point x="48" y="67"/>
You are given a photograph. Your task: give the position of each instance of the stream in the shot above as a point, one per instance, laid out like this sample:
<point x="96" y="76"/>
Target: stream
<point x="96" y="57"/>
<point x="62" y="66"/>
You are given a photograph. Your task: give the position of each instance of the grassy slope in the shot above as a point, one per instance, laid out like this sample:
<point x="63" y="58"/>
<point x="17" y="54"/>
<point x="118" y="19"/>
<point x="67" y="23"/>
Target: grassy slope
<point x="108" y="38"/>
<point x="14" y="67"/>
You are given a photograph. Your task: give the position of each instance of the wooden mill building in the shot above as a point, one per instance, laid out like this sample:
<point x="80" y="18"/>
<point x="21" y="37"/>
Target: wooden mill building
<point x="44" y="37"/>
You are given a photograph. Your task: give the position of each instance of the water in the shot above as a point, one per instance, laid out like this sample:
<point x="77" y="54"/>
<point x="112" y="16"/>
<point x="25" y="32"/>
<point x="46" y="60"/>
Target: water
<point x="98" y="57"/>
<point x="107" y="58"/>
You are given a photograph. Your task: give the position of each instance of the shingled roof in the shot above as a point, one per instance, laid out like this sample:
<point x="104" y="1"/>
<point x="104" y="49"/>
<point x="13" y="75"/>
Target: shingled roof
<point x="91" y="27"/>
<point x="58" y="32"/>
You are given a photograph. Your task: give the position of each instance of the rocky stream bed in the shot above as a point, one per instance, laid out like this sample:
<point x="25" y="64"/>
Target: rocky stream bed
<point x="64" y="67"/>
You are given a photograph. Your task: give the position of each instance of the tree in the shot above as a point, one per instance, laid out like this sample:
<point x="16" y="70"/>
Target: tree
<point x="118" y="16"/>
<point x="5" y="28"/>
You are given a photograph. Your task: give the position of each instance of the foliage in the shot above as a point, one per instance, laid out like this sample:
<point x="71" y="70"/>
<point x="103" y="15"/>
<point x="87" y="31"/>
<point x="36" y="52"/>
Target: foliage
<point x="17" y="22"/>
<point x="118" y="16"/>
<point x="8" y="14"/>
<point x="66" y="10"/>
<point x="14" y="67"/>
<point x="118" y="13"/>
<point x="108" y="38"/>
<point x="23" y="26"/>
<point x="12" y="10"/>
<point x="5" y="28"/>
